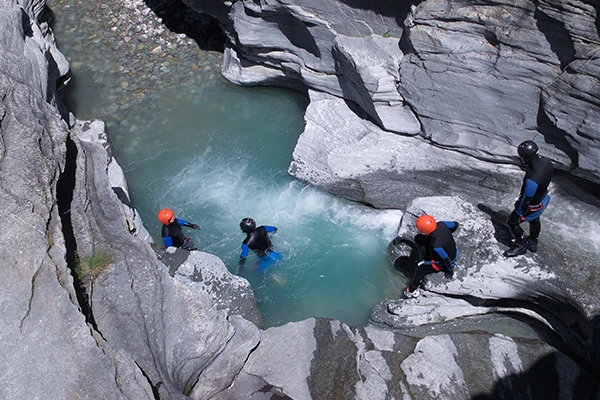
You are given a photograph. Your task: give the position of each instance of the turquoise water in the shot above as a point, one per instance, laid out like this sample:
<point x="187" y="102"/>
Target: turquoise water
<point x="223" y="158"/>
<point x="216" y="153"/>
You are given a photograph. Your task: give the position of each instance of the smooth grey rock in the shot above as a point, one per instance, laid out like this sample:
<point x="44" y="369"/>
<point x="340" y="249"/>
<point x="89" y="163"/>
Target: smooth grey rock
<point x="173" y="322"/>
<point x="94" y="131"/>
<point x="473" y="79"/>
<point x="348" y="156"/>
<point x="43" y="329"/>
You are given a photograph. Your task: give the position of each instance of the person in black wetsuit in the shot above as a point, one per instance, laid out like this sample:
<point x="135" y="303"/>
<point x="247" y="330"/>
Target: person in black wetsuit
<point x="172" y="233"/>
<point x="258" y="240"/>
<point x="438" y="250"/>
<point x="532" y="200"/>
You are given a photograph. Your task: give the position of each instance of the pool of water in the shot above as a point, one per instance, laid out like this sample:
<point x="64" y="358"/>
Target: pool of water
<point x="216" y="153"/>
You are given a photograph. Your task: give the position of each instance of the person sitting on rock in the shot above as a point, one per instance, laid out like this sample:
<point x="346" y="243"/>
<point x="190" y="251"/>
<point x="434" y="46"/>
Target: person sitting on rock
<point x="258" y="240"/>
<point x="172" y="234"/>
<point x="438" y="249"/>
<point x="532" y="200"/>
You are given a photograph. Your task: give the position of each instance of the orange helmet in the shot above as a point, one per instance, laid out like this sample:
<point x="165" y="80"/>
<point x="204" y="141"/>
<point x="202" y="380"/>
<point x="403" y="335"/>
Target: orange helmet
<point x="426" y="224"/>
<point x="165" y="216"/>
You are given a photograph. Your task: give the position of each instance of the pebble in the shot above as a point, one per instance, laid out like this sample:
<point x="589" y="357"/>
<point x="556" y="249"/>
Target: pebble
<point x="115" y="40"/>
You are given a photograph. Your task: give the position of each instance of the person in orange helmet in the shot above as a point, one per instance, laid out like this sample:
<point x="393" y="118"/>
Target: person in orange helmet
<point x="172" y="234"/>
<point x="438" y="251"/>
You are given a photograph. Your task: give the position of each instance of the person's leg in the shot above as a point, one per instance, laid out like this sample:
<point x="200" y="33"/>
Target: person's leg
<point x="514" y="224"/>
<point x="535" y="227"/>
<point x="420" y="273"/>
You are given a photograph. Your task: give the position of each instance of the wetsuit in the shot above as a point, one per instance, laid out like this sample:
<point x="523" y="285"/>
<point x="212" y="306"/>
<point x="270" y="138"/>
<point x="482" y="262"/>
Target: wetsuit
<point x="532" y="200"/>
<point x="439" y="252"/>
<point x="259" y="242"/>
<point x="172" y="234"/>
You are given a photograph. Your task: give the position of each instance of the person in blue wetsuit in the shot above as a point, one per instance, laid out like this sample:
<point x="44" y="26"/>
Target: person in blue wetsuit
<point x="438" y="251"/>
<point x="532" y="200"/>
<point x="258" y="240"/>
<point x="172" y="233"/>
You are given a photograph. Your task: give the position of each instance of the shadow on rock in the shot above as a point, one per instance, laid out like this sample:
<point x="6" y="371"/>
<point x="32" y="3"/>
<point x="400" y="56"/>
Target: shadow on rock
<point x="390" y="8"/>
<point x="542" y="381"/>
<point x="548" y="377"/>
<point x="570" y="331"/>
<point x="502" y="232"/>
<point x="179" y="18"/>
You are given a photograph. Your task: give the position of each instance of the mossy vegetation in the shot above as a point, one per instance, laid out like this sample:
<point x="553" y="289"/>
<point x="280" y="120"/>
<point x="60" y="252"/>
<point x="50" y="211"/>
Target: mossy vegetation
<point x="89" y="267"/>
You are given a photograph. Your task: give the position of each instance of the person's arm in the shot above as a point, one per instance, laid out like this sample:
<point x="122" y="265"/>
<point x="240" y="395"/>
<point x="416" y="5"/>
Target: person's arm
<point x="452" y="225"/>
<point x="446" y="261"/>
<point x="185" y="223"/>
<point x="271" y="229"/>
<point x="529" y="189"/>
<point x="244" y="254"/>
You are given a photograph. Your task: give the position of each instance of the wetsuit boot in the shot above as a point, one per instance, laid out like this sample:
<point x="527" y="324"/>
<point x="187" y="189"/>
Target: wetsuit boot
<point x="531" y="244"/>
<point x="518" y="249"/>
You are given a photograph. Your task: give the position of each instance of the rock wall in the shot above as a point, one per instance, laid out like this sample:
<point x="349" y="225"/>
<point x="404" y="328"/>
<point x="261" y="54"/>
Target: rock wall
<point x="471" y="79"/>
<point x="43" y="329"/>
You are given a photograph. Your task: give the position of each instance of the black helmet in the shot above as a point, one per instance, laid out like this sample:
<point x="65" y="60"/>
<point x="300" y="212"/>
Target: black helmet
<point x="527" y="150"/>
<point x="247" y="225"/>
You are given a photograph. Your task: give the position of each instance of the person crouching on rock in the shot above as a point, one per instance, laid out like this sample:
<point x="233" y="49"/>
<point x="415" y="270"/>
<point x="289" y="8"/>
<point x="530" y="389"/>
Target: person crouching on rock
<point x="438" y="249"/>
<point x="258" y="240"/>
<point x="172" y="234"/>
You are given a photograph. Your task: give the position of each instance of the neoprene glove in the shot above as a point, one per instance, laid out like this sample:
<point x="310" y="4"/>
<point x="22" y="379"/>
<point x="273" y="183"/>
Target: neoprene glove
<point x="242" y="261"/>
<point x="194" y="226"/>
<point x="448" y="274"/>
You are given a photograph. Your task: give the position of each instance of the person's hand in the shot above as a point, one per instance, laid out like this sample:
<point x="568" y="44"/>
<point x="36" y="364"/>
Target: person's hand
<point x="242" y="262"/>
<point x="194" y="226"/>
<point x="448" y="274"/>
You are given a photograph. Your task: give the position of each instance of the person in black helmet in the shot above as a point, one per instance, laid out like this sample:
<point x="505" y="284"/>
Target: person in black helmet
<point x="258" y="240"/>
<point x="532" y="200"/>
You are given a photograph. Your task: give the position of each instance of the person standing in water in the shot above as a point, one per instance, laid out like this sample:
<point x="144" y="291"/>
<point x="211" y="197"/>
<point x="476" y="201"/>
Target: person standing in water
<point x="438" y="249"/>
<point x="532" y="200"/>
<point x="172" y="233"/>
<point x="258" y="240"/>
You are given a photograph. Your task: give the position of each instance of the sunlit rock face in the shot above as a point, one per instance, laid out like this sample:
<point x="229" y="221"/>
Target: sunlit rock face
<point x="471" y="79"/>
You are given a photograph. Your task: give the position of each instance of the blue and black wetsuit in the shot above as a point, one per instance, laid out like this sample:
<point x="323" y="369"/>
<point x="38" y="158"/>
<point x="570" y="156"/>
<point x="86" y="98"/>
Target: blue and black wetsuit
<point x="172" y="234"/>
<point x="533" y="199"/>
<point x="439" y="252"/>
<point x="260" y="243"/>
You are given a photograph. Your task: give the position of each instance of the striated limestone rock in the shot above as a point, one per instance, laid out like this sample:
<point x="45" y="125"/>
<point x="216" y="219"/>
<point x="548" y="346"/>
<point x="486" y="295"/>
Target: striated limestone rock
<point x="43" y="330"/>
<point x="472" y="79"/>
